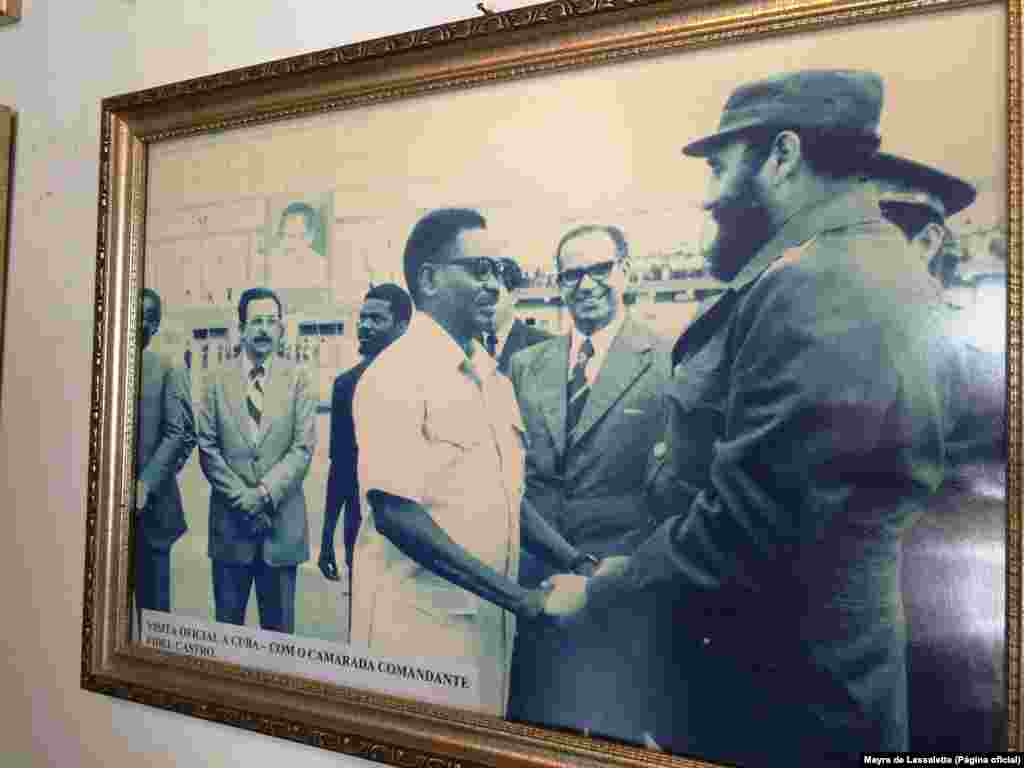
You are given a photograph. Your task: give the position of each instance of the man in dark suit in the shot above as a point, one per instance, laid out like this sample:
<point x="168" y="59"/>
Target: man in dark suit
<point x="592" y="406"/>
<point x="510" y="334"/>
<point x="804" y="435"/>
<point x="166" y="437"/>
<point x="384" y="317"/>
<point x="256" y="434"/>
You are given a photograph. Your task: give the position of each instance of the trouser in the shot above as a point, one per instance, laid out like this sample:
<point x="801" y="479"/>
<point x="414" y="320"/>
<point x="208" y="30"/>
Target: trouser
<point x="353" y="518"/>
<point x="275" y="593"/>
<point x="152" y="578"/>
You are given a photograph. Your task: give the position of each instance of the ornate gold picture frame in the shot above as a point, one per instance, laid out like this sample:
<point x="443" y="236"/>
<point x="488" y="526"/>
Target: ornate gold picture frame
<point x="545" y="117"/>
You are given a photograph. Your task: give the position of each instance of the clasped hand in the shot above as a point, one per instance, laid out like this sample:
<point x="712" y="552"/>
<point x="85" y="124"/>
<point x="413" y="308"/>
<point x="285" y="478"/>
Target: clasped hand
<point x="249" y="501"/>
<point x="565" y="594"/>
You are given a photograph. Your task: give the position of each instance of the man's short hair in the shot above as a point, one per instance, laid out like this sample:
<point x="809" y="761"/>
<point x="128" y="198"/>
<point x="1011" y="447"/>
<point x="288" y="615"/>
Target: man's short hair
<point x="430" y="239"/>
<point x="399" y="301"/>
<point x="618" y="237"/>
<point x="255" y="294"/>
<point x="305" y="210"/>
<point x="835" y="154"/>
<point x="149" y="293"/>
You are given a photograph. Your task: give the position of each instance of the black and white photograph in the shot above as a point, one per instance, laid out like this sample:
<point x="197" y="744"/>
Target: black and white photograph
<point x="661" y="402"/>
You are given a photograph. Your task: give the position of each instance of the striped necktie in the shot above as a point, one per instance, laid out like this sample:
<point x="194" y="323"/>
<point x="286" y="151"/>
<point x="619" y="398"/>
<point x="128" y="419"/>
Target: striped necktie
<point x="579" y="388"/>
<point x="254" y="397"/>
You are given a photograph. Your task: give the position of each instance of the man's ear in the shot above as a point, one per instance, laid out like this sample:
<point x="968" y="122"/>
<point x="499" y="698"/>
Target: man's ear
<point x="930" y="241"/>
<point x="786" y="154"/>
<point x="427" y="280"/>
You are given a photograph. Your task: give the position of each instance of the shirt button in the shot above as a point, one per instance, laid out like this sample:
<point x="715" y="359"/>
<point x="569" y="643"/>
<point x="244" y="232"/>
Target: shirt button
<point x="660" y="450"/>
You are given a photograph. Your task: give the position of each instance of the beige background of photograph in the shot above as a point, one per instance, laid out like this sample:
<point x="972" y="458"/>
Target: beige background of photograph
<point x="594" y="143"/>
<point x="62" y="58"/>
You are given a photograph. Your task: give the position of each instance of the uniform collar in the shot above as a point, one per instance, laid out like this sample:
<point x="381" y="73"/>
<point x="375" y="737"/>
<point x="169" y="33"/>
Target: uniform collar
<point x="856" y="206"/>
<point x="439" y="346"/>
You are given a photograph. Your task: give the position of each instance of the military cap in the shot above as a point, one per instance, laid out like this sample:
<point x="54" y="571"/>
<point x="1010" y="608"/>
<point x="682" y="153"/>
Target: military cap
<point x="843" y="101"/>
<point x="903" y="182"/>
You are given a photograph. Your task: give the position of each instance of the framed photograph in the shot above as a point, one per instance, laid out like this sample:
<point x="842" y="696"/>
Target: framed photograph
<point x="617" y="382"/>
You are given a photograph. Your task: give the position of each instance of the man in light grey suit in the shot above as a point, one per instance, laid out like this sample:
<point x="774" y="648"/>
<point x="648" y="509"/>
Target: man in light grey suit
<point x="256" y="434"/>
<point x="592" y="406"/>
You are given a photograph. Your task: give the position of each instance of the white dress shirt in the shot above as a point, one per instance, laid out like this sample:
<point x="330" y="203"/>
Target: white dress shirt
<point x="247" y="366"/>
<point x="601" y="340"/>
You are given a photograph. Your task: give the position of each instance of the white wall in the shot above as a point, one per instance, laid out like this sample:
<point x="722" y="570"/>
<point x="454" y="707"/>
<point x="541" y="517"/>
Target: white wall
<point x="55" y="66"/>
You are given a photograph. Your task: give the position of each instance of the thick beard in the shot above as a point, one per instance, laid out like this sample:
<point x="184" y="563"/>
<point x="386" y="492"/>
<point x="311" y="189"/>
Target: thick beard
<point x="743" y="227"/>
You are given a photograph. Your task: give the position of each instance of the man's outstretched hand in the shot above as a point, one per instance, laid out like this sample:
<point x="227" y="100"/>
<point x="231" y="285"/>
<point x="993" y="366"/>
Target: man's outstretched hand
<point x="566" y="597"/>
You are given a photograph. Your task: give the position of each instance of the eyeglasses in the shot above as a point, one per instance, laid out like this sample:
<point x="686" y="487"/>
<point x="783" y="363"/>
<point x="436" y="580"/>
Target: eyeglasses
<point x="482" y="268"/>
<point x="263" y="320"/>
<point x="570" y="279"/>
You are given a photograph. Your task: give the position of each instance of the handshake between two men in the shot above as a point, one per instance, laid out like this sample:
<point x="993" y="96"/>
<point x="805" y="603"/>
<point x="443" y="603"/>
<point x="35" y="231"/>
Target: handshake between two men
<point x="563" y="597"/>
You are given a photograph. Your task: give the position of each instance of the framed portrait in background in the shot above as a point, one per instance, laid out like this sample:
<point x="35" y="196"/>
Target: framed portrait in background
<point x="785" y="520"/>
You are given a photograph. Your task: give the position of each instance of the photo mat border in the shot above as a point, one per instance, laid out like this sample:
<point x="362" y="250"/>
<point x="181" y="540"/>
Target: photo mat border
<point x="547" y="37"/>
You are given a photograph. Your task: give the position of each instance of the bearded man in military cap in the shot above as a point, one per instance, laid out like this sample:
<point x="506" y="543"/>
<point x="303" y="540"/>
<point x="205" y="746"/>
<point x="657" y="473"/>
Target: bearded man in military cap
<point x="955" y="675"/>
<point x="918" y="199"/>
<point x="804" y="434"/>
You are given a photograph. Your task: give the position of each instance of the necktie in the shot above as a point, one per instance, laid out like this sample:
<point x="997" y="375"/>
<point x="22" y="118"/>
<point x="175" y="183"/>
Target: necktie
<point x="491" y="340"/>
<point x="579" y="388"/>
<point x="254" y="397"/>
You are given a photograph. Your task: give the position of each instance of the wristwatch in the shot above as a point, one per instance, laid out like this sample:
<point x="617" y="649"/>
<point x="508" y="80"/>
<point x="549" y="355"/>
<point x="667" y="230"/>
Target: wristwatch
<point x="584" y="562"/>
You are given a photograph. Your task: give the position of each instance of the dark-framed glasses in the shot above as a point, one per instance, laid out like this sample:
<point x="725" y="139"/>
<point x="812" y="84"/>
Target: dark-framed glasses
<point x="570" y="279"/>
<point x="482" y="267"/>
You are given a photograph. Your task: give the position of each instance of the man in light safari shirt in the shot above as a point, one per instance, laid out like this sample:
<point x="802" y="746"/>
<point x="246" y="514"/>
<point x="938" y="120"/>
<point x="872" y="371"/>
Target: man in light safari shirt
<point x="441" y="464"/>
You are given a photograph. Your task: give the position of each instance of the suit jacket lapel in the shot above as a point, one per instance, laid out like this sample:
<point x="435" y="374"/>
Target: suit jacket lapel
<point x="511" y="346"/>
<point x="627" y="358"/>
<point x="236" y="390"/>
<point x="550" y="372"/>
